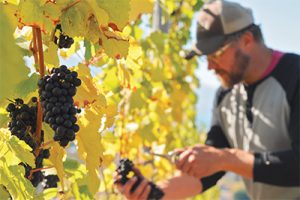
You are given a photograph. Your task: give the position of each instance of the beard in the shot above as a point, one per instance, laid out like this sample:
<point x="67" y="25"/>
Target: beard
<point x="239" y="67"/>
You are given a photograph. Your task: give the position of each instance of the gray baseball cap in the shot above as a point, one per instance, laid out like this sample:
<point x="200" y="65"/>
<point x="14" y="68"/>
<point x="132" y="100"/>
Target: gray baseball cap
<point x="217" y="20"/>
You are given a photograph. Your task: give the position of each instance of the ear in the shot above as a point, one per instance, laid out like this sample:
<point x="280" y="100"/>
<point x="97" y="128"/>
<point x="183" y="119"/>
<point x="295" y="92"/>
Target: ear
<point x="247" y="41"/>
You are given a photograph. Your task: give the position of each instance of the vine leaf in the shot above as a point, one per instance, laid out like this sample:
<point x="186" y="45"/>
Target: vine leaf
<point x="101" y="15"/>
<point x="138" y="7"/>
<point x="35" y="17"/>
<point x="57" y="154"/>
<point x="50" y="55"/>
<point x="89" y="145"/>
<point x="27" y="86"/>
<point x="117" y="11"/>
<point x="14" y="150"/>
<point x="13" y="69"/>
<point x="114" y="45"/>
<point x="12" y="177"/>
<point x="74" y="20"/>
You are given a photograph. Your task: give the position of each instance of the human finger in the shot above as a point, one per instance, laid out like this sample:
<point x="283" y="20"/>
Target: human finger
<point x="182" y="159"/>
<point x="128" y="186"/>
<point x="145" y="193"/>
<point x="140" y="189"/>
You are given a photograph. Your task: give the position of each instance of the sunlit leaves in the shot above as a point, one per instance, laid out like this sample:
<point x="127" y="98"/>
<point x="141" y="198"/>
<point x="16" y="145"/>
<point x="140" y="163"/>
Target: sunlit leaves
<point x="74" y="19"/>
<point x="139" y="94"/>
<point x="89" y="145"/>
<point x="100" y="13"/>
<point x="14" y="150"/>
<point x="50" y="54"/>
<point x="13" y="69"/>
<point x="36" y="16"/>
<point x="117" y="11"/>
<point x="57" y="153"/>
<point x="12" y="177"/>
<point x="139" y="7"/>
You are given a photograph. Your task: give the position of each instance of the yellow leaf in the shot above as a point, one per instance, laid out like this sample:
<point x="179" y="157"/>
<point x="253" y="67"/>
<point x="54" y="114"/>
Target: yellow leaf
<point x="57" y="154"/>
<point x="114" y="46"/>
<point x="13" y="69"/>
<point x="101" y="15"/>
<point x="135" y="51"/>
<point x="51" y="54"/>
<point x="139" y="7"/>
<point x="124" y="76"/>
<point x="89" y="146"/>
<point x="117" y="11"/>
<point x="111" y="112"/>
<point x="86" y="92"/>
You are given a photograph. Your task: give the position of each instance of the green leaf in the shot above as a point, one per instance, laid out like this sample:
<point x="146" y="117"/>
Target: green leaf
<point x="117" y="11"/>
<point x="50" y="55"/>
<point x="35" y="17"/>
<point x="115" y="48"/>
<point x="4" y="193"/>
<point x="49" y="193"/>
<point x="15" y="2"/>
<point x="21" y="150"/>
<point x="71" y="165"/>
<point x="13" y="69"/>
<point x="4" y="119"/>
<point x="14" y="150"/>
<point x="75" y="19"/>
<point x="146" y="133"/>
<point x="27" y="86"/>
<point x="13" y="179"/>
<point x="88" y="52"/>
<point x="158" y="40"/>
<point x="137" y="100"/>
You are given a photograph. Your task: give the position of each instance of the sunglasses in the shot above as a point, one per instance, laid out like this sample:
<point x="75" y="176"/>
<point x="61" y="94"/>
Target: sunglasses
<point x="219" y="52"/>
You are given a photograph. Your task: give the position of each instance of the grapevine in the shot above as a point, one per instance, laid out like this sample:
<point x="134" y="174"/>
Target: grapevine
<point x="56" y="94"/>
<point x="125" y="167"/>
<point x="23" y="125"/>
<point x="100" y="83"/>
<point x="60" y="39"/>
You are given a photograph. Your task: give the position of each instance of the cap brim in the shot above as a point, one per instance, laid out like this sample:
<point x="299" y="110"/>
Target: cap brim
<point x="210" y="45"/>
<point x="206" y="46"/>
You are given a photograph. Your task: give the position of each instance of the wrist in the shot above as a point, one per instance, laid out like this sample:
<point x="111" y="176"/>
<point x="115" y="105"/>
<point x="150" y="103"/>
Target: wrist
<point x="226" y="159"/>
<point x="237" y="161"/>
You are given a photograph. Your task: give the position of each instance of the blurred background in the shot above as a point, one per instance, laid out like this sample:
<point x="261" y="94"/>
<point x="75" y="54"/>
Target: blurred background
<point x="281" y="30"/>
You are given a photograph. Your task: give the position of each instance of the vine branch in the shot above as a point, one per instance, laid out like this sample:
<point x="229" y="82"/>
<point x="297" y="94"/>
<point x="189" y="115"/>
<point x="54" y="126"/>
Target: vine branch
<point x="33" y="46"/>
<point x="36" y="170"/>
<point x="70" y="5"/>
<point x="38" y="39"/>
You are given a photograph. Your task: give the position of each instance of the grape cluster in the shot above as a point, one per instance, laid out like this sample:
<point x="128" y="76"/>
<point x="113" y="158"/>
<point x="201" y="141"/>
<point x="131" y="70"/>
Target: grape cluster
<point x="62" y="41"/>
<point x="56" y="93"/>
<point x="124" y="168"/>
<point x="51" y="181"/>
<point x="23" y="125"/>
<point x="23" y="120"/>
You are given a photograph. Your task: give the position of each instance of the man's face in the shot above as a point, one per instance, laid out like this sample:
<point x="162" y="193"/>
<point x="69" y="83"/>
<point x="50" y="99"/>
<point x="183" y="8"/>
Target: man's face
<point x="230" y="66"/>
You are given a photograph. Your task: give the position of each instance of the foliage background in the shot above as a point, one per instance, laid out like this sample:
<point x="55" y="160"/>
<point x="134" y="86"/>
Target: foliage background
<point x="137" y="90"/>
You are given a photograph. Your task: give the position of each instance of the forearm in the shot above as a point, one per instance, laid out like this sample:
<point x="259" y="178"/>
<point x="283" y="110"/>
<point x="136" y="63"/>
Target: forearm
<point x="237" y="161"/>
<point x="180" y="186"/>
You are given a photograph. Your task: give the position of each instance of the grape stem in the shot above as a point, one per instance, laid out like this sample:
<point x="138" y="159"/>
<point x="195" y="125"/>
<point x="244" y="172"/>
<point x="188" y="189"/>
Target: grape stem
<point x="46" y="144"/>
<point x="42" y="146"/>
<point x="38" y="38"/>
<point x="38" y="169"/>
<point x="70" y="5"/>
<point x="33" y="46"/>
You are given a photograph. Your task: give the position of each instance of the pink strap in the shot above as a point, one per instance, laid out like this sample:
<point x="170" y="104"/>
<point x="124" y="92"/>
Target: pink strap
<point x="276" y="55"/>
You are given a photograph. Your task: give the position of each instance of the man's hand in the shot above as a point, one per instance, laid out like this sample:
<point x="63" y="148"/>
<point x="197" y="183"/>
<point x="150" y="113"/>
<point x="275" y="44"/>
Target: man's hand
<point x="140" y="193"/>
<point x="200" y="161"/>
